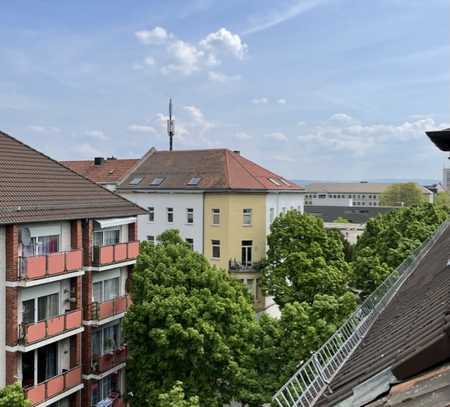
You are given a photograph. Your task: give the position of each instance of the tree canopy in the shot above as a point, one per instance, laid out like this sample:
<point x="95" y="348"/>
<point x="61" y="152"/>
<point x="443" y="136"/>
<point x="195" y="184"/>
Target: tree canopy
<point x="407" y="194"/>
<point x="341" y="219"/>
<point x="442" y="199"/>
<point x="13" y="396"/>
<point x="189" y="322"/>
<point x="304" y="259"/>
<point x="176" y="398"/>
<point x="388" y="239"/>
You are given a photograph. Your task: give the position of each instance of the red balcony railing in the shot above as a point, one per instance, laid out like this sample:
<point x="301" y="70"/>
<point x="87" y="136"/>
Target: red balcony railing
<point x="109" y="360"/>
<point x="116" y="253"/>
<point x="34" y="332"/>
<point x="35" y="267"/>
<point x="106" y="309"/>
<point x="53" y="386"/>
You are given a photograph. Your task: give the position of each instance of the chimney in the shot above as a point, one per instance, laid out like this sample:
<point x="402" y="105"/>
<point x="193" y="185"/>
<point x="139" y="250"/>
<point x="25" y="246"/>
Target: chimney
<point x="237" y="152"/>
<point x="98" y="160"/>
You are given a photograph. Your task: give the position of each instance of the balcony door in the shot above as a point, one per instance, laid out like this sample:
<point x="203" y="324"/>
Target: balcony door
<point x="41" y="246"/>
<point x="46" y="307"/>
<point x="39" y="365"/>
<point x="106" y="237"/>
<point x="246" y="252"/>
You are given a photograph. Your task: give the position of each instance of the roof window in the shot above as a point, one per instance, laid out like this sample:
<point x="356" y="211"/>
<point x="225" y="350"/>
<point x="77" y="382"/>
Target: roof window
<point x="284" y="181"/>
<point x="136" y="180"/>
<point x="194" y="181"/>
<point x="273" y="181"/>
<point x="157" y="181"/>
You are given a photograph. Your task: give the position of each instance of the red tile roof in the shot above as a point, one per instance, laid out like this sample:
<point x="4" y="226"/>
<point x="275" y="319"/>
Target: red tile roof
<point x="35" y="188"/>
<point x="110" y="171"/>
<point x="218" y="169"/>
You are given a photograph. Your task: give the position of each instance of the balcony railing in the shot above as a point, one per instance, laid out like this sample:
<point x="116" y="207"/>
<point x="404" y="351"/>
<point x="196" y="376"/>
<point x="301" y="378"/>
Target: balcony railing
<point x="101" y="310"/>
<point x="116" y="253"/>
<point x="236" y="267"/>
<point x="34" y="332"/>
<point x="109" y="360"/>
<point x="35" y="267"/>
<point x="53" y="386"/>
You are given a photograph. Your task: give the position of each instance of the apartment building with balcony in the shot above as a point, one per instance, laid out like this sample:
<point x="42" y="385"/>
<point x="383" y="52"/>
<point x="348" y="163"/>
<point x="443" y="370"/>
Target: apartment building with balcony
<point x="67" y="248"/>
<point x="221" y="202"/>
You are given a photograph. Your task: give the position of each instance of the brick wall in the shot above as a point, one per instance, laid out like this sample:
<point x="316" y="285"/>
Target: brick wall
<point x="76" y="237"/>
<point x="75" y="350"/>
<point x="11" y="367"/>
<point x="11" y="316"/>
<point x="86" y="346"/>
<point x="12" y="247"/>
<point x="88" y="229"/>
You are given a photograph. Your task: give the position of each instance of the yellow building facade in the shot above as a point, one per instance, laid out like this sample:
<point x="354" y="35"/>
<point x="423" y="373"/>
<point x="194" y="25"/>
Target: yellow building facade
<point x="235" y="235"/>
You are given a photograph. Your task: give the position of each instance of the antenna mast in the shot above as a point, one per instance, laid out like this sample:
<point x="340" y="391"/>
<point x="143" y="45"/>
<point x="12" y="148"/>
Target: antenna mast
<point x="170" y="126"/>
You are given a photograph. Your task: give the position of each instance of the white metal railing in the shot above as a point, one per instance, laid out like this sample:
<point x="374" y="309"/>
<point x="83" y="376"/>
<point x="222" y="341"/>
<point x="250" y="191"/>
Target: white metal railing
<point x="306" y="386"/>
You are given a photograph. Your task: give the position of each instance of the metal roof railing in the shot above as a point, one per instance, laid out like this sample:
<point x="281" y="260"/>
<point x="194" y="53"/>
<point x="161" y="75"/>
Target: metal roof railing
<point x="306" y="386"/>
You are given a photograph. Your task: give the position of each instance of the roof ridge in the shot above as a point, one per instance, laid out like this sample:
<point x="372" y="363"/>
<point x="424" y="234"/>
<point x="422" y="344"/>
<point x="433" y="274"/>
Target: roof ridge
<point x="245" y="169"/>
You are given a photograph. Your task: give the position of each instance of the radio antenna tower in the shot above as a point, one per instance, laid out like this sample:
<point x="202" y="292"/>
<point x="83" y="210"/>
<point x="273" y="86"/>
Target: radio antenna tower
<point x="170" y="126"/>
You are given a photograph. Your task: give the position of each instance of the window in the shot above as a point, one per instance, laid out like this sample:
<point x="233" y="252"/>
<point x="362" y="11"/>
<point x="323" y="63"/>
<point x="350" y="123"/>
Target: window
<point x="151" y="239"/>
<point x="322" y="196"/>
<point x="151" y="213"/>
<point x="215" y="249"/>
<point x="157" y="181"/>
<point x="42" y="245"/>
<point x="104" y="388"/>
<point x="284" y="181"/>
<point x="48" y="307"/>
<point x="105" y="340"/>
<point x="105" y="237"/>
<point x="194" y="181"/>
<point x="170" y="215"/>
<point x="274" y="181"/>
<point x="246" y="252"/>
<point x="216" y="216"/>
<point x="28" y="311"/>
<point x="190" y="215"/>
<point x="271" y="215"/>
<point x="284" y="210"/>
<point x="247" y="216"/>
<point x="190" y="242"/>
<point x="136" y="180"/>
<point x="106" y="290"/>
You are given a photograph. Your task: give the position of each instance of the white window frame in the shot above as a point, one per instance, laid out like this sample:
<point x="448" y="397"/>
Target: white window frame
<point x="247" y="216"/>
<point x="214" y="244"/>
<point x="151" y="214"/>
<point x="189" y="216"/>
<point x="170" y="211"/>
<point x="215" y="215"/>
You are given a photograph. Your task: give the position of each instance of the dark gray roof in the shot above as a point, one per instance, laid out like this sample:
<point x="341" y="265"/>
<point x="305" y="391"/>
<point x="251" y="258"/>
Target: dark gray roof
<point x="354" y="214"/>
<point x="34" y="188"/>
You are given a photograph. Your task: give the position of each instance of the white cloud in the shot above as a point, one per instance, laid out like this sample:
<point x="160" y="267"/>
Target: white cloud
<point x="301" y="123"/>
<point x="141" y="128"/>
<point x="281" y="101"/>
<point x="96" y="134"/>
<point x="44" y="129"/>
<point x="260" y="101"/>
<point x="277" y="136"/>
<point x="280" y="14"/>
<point x="241" y="135"/>
<point x="199" y="118"/>
<point x="186" y="58"/>
<point x="223" y="38"/>
<point x="87" y="150"/>
<point x="221" y="77"/>
<point x="150" y="61"/>
<point x="156" y="35"/>
<point x="345" y="134"/>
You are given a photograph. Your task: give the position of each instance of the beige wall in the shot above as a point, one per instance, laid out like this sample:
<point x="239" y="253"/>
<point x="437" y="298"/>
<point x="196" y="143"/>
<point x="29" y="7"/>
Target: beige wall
<point x="231" y="230"/>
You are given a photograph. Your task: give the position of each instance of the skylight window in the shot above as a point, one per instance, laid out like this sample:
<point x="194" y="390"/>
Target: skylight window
<point x="136" y="180"/>
<point x="157" y="181"/>
<point x="194" y="181"/>
<point x="284" y="181"/>
<point x="274" y="181"/>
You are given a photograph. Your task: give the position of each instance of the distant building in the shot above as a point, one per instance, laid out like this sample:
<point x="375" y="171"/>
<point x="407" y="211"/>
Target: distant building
<point x="349" y="194"/>
<point x="446" y="179"/>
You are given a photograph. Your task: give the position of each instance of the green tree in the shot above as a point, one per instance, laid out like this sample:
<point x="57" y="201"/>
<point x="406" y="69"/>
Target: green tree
<point x="407" y="194"/>
<point x="176" y="398"/>
<point x="13" y="396"/>
<point x="389" y="239"/>
<point x="442" y="199"/>
<point x="341" y="219"/>
<point x="304" y="259"/>
<point x="190" y="322"/>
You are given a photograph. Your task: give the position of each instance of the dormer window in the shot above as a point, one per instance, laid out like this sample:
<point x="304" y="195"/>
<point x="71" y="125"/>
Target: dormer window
<point x="274" y="181"/>
<point x="157" y="181"/>
<point x="136" y="180"/>
<point x="194" y="181"/>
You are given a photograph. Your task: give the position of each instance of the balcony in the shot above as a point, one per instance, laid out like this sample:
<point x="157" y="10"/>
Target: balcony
<point x="54" y="386"/>
<point x="102" y="310"/>
<point x="103" y="363"/>
<point x="35" y="267"/>
<point x="236" y="267"/>
<point x="116" y="253"/>
<point x="39" y="331"/>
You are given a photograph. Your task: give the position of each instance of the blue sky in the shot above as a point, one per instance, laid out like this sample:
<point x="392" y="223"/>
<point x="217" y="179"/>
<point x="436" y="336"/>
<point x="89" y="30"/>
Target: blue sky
<point x="312" y="89"/>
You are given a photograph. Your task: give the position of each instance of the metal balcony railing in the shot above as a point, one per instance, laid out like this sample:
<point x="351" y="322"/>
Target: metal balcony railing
<point x="306" y="386"/>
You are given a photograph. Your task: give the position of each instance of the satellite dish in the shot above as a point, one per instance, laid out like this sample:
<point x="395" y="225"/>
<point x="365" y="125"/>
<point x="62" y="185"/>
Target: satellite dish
<point x="25" y="236"/>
